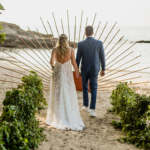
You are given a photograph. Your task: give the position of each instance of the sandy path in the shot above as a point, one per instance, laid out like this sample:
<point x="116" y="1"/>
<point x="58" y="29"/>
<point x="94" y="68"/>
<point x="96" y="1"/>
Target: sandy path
<point x="98" y="134"/>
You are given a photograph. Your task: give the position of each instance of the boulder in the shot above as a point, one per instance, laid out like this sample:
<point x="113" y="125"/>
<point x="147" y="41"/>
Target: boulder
<point x="12" y="40"/>
<point x="142" y="41"/>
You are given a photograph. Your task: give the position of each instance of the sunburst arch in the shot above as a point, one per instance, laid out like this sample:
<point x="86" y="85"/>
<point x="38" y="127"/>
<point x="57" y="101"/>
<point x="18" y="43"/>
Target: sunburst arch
<point x="42" y="58"/>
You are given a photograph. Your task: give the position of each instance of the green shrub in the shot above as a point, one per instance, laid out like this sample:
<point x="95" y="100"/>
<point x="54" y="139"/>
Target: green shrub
<point x="19" y="129"/>
<point x="2" y="35"/>
<point x="134" y="110"/>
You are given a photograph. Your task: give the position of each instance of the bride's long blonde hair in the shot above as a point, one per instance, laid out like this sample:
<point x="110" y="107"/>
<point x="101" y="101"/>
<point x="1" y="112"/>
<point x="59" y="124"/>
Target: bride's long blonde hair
<point x="62" y="45"/>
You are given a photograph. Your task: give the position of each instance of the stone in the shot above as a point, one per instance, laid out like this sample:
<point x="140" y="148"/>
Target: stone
<point x="12" y="40"/>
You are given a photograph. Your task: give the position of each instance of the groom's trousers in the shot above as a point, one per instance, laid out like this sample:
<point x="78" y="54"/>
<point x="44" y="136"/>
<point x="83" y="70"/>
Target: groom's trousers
<point x="92" y="77"/>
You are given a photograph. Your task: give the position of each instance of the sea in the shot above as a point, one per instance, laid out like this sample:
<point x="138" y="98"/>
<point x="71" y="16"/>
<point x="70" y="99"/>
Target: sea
<point x="125" y="58"/>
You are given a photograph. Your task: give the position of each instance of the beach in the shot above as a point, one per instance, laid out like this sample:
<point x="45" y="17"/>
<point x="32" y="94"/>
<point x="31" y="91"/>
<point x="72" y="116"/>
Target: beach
<point x="98" y="134"/>
<point x="32" y="31"/>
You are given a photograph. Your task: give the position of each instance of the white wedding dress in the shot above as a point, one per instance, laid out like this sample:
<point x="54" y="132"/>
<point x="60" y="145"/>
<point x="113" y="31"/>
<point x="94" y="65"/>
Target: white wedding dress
<point x="63" y="110"/>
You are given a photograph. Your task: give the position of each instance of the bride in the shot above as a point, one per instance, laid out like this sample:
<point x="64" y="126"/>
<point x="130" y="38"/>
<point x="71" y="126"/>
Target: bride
<point x="63" y="110"/>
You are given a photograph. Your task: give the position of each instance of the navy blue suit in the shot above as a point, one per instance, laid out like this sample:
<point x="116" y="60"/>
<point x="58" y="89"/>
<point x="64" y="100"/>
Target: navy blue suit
<point x="91" y="53"/>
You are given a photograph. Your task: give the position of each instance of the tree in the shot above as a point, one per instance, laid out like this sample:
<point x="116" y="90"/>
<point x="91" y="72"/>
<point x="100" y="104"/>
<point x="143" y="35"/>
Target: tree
<point x="2" y="35"/>
<point x="1" y="7"/>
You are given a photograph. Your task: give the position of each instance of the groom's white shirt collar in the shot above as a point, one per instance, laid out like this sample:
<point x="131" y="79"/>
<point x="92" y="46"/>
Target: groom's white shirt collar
<point x="89" y="36"/>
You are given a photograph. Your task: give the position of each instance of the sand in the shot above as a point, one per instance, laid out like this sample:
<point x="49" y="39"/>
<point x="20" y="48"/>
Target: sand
<point x="99" y="134"/>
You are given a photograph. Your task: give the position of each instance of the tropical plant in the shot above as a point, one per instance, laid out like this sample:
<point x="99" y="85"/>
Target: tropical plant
<point x="134" y="110"/>
<point x="1" y="7"/>
<point x="19" y="129"/>
<point x="2" y="35"/>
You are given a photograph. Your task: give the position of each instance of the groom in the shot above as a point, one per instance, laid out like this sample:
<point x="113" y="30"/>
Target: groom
<point x="91" y="52"/>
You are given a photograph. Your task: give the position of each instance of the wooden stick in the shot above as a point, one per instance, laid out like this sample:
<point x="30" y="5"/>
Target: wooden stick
<point x="139" y="83"/>
<point x="116" y="63"/>
<point x="23" y="69"/>
<point x="11" y="81"/>
<point x="120" y="59"/>
<point x="46" y="89"/>
<point x="109" y="33"/>
<point x="110" y="90"/>
<point x="116" y="49"/>
<point x="68" y="27"/>
<point x="39" y="44"/>
<point x="38" y="50"/>
<point x="121" y="70"/>
<point x="97" y="29"/>
<point x="47" y="33"/>
<point x="126" y="74"/>
<point x="13" y="70"/>
<point x="20" y="72"/>
<point x="19" y="78"/>
<point x="10" y="87"/>
<point x="25" y="64"/>
<point x="85" y="27"/>
<point x="121" y="54"/>
<point x="102" y="31"/>
<point x="30" y="48"/>
<point x="114" y="46"/>
<point x="51" y="31"/>
<point x="112" y="39"/>
<point x="80" y="27"/>
<point x="94" y="19"/>
<point x="55" y="24"/>
<point x="43" y="78"/>
<point x="120" y="80"/>
<point x="127" y="84"/>
<point x="62" y="26"/>
<point x="124" y="63"/>
<point x="44" y="42"/>
<point x="33" y="59"/>
<point x="32" y="63"/>
<point x="74" y="34"/>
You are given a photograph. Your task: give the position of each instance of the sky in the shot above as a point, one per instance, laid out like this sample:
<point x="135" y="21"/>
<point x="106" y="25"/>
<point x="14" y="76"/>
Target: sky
<point x="28" y="12"/>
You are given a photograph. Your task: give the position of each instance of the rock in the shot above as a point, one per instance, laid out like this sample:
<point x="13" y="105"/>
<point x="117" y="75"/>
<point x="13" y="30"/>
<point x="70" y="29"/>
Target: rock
<point x="142" y="41"/>
<point x="12" y="40"/>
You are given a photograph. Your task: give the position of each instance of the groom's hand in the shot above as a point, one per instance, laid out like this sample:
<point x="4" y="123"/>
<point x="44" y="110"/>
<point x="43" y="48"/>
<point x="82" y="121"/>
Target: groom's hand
<point x="102" y="73"/>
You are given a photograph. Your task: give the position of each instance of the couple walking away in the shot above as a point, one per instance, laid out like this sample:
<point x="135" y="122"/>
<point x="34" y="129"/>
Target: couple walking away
<point x="63" y="110"/>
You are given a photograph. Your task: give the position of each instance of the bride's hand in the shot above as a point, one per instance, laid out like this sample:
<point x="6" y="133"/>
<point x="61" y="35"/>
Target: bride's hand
<point x="77" y="74"/>
<point x="52" y="68"/>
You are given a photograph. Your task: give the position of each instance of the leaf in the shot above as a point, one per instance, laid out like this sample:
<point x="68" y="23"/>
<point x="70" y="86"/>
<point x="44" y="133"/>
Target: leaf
<point x="2" y="147"/>
<point x="1" y="7"/>
<point x="8" y="93"/>
<point x="33" y="72"/>
<point x="19" y="123"/>
<point x="2" y="142"/>
<point x="26" y="140"/>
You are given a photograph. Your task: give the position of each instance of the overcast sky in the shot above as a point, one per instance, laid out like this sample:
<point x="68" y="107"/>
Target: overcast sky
<point x="27" y="12"/>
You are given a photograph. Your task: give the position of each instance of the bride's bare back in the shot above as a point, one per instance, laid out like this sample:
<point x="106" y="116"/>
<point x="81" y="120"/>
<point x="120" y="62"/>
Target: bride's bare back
<point x="57" y="57"/>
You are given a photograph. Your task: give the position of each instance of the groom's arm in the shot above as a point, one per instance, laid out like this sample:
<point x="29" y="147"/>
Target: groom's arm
<point x="102" y="57"/>
<point x="78" y="55"/>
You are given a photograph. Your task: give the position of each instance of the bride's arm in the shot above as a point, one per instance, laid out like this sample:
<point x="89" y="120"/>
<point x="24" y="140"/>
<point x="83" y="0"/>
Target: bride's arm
<point x="53" y="57"/>
<point x="73" y="61"/>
